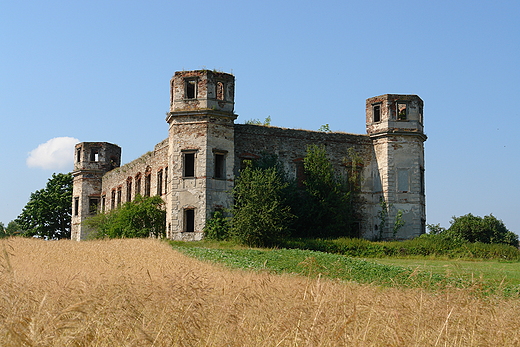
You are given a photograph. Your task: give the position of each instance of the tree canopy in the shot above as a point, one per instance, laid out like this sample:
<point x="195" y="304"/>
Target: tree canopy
<point x="48" y="212"/>
<point x="486" y="230"/>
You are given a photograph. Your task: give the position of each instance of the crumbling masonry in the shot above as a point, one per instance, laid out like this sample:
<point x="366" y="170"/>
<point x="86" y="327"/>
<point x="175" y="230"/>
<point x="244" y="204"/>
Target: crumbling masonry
<point x="193" y="170"/>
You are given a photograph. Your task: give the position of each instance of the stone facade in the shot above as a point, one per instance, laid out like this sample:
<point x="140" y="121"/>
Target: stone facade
<point x="193" y="170"/>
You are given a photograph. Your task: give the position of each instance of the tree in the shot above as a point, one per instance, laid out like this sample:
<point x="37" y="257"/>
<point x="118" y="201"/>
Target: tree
<point x="486" y="230"/>
<point x="325" y="207"/>
<point x="48" y="212"/>
<point x="143" y="217"/>
<point x="260" y="216"/>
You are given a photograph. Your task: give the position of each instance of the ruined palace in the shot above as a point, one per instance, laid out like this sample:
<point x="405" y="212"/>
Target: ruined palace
<point x="194" y="169"/>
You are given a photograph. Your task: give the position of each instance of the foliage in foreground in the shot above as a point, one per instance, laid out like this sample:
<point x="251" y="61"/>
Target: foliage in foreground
<point x="142" y="217"/>
<point x="48" y="212"/>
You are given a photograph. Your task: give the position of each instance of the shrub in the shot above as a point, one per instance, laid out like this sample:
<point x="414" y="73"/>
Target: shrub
<point x="486" y="230"/>
<point x="217" y="228"/>
<point x="143" y="217"/>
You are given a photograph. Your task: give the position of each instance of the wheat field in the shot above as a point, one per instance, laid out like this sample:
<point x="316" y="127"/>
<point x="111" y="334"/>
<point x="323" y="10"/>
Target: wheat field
<point x="143" y="293"/>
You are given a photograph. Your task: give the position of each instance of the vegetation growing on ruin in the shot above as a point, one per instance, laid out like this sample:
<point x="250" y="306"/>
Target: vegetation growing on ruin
<point x="142" y="217"/>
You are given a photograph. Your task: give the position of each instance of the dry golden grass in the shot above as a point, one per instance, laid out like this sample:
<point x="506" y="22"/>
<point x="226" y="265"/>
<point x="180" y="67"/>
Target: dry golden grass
<point x="143" y="293"/>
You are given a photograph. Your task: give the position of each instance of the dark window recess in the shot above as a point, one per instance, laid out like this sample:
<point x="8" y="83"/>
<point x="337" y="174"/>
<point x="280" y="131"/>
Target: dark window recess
<point x="129" y="190"/>
<point x="93" y="205"/>
<point x="76" y="206"/>
<point x="147" y="183"/>
<point x="119" y="195"/>
<point x="94" y="154"/>
<point x="78" y="155"/>
<point x="138" y="185"/>
<point x="219" y="166"/>
<point x="191" y="89"/>
<point x="159" y="182"/>
<point x="377" y="113"/>
<point x="103" y="202"/>
<point x="189" y="220"/>
<point x="189" y="165"/>
<point x="166" y="180"/>
<point x="113" y="200"/>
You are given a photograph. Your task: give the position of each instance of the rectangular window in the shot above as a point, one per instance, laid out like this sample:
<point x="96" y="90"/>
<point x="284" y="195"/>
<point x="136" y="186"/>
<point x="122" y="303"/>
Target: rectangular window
<point x="76" y="206"/>
<point x="422" y="180"/>
<point x="93" y="205"/>
<point x="191" y="89"/>
<point x="78" y="154"/>
<point x="403" y="180"/>
<point x="220" y="166"/>
<point x="159" y="182"/>
<point x="189" y="220"/>
<point x="402" y="113"/>
<point x="377" y="181"/>
<point x="377" y="113"/>
<point x="94" y="154"/>
<point x="188" y="164"/>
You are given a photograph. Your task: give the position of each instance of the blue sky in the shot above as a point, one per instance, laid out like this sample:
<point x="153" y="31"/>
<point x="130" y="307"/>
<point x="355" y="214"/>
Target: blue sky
<point x="100" y="70"/>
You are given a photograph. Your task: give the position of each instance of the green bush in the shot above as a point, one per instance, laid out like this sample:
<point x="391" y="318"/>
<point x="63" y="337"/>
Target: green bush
<point x="217" y="228"/>
<point x="143" y="217"/>
<point x="486" y="230"/>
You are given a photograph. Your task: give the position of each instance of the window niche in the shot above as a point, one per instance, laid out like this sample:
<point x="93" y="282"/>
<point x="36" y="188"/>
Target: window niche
<point x="220" y="91"/>
<point x="402" y="110"/>
<point x="190" y="88"/>
<point x="403" y="180"/>
<point x="93" y="204"/>
<point x="159" y="182"/>
<point x="188" y="164"/>
<point x="76" y="206"/>
<point x="189" y="220"/>
<point x="219" y="158"/>
<point x="94" y="154"/>
<point x="376" y="112"/>
<point x="129" y="189"/>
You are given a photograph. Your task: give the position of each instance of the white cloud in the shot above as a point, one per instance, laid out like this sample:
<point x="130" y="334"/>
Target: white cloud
<point x="57" y="153"/>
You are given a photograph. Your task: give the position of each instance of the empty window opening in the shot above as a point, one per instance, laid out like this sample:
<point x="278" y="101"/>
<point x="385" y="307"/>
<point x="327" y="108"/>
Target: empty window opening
<point x="93" y="205"/>
<point x="189" y="164"/>
<point x="159" y="182"/>
<point x="78" y="154"/>
<point x="138" y="185"/>
<point x="129" y="190"/>
<point x="103" y="202"/>
<point x="377" y="113"/>
<point x="94" y="154"/>
<point x="166" y="180"/>
<point x="76" y="206"/>
<point x="191" y="89"/>
<point x="113" y="200"/>
<point x="189" y="220"/>
<point x="147" y="184"/>
<point x="119" y="195"/>
<point x="220" y="91"/>
<point x="401" y="111"/>
<point x="220" y="165"/>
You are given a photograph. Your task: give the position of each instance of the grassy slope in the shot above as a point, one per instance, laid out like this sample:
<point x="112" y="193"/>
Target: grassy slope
<point x="486" y="277"/>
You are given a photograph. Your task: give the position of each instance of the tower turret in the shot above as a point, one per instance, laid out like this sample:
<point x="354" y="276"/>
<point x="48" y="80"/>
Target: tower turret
<point x="201" y="149"/>
<point x="91" y="161"/>
<point x="395" y="125"/>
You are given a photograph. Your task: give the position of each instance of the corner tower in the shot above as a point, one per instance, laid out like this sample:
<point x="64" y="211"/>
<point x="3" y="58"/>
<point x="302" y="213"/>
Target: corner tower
<point x="201" y="150"/>
<point x="395" y="125"/>
<point x="91" y="161"/>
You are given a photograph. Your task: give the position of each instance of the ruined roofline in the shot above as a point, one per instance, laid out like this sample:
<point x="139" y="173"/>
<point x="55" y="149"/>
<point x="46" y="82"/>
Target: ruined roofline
<point x="324" y="133"/>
